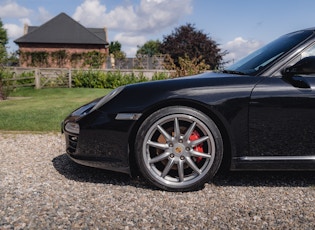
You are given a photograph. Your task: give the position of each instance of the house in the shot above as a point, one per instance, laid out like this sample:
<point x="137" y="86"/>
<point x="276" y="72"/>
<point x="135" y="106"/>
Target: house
<point x="63" y="42"/>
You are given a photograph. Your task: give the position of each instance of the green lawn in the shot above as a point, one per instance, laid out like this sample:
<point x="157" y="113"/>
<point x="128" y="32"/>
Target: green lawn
<point x="29" y="109"/>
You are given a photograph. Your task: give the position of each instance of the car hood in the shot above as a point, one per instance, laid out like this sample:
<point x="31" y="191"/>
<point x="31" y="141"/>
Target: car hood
<point x="204" y="80"/>
<point x="210" y="88"/>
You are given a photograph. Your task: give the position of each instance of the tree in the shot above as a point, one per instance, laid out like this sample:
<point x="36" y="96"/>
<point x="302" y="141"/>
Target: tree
<point x="115" y="48"/>
<point x="13" y="58"/>
<point x="3" y="56"/>
<point x="186" y="41"/>
<point x="3" y="42"/>
<point x="149" y="48"/>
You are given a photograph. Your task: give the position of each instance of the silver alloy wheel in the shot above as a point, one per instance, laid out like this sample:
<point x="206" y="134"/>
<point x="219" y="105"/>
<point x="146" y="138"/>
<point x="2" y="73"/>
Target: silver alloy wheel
<point x="178" y="150"/>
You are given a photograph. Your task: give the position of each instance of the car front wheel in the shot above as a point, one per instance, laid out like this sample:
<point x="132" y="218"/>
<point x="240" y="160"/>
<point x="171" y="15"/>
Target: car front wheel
<point x="178" y="148"/>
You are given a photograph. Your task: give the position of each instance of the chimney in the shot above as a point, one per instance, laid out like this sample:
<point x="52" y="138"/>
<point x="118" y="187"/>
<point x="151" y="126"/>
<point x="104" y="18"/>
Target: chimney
<point x="25" y="28"/>
<point x="106" y="37"/>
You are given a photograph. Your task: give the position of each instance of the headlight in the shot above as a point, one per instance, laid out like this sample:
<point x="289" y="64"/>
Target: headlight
<point x="108" y="97"/>
<point x="72" y="127"/>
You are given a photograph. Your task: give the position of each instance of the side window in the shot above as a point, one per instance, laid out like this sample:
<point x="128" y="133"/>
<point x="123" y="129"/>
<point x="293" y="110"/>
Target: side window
<point x="308" y="52"/>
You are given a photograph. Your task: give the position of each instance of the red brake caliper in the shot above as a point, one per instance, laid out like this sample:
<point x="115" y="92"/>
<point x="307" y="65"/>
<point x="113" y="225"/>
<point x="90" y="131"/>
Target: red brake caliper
<point x="195" y="136"/>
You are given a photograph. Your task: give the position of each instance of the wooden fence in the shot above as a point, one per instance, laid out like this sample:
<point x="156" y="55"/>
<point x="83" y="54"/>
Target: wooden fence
<point x="40" y="78"/>
<point x="60" y="77"/>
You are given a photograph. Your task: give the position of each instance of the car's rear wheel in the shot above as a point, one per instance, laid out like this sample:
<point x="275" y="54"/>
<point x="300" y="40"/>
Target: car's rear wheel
<point x="178" y="148"/>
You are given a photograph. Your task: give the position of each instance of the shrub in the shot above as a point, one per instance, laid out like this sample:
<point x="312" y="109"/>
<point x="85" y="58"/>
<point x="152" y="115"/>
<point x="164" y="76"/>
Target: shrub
<point x="160" y="76"/>
<point x="29" y="78"/>
<point x="186" y="66"/>
<point x="99" y="79"/>
<point x="88" y="79"/>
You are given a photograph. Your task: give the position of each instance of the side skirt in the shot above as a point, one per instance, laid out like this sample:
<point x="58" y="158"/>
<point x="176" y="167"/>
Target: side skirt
<point x="273" y="163"/>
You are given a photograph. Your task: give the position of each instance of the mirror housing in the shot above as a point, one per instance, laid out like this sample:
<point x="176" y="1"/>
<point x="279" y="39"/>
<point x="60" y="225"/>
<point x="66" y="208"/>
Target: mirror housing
<point x="304" y="66"/>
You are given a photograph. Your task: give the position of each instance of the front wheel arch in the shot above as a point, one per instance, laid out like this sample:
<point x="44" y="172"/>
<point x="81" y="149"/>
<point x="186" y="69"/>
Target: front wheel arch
<point x="218" y="120"/>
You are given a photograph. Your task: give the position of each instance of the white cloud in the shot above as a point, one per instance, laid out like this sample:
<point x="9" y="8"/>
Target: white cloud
<point x="12" y="10"/>
<point x="239" y="48"/>
<point x="162" y="13"/>
<point x="130" y="42"/>
<point x="90" y="13"/>
<point x="13" y="31"/>
<point x="122" y="18"/>
<point x="44" y="15"/>
<point x="133" y="22"/>
<point x="149" y="15"/>
<point x="129" y="39"/>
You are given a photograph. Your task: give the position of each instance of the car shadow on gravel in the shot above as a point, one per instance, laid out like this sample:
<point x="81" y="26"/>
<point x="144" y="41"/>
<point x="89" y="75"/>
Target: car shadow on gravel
<point x="73" y="171"/>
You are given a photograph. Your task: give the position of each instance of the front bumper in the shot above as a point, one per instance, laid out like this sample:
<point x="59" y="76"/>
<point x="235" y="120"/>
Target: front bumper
<point x="102" y="140"/>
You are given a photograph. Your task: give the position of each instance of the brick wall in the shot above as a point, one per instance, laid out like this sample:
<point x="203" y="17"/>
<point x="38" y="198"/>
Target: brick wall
<point x="74" y="55"/>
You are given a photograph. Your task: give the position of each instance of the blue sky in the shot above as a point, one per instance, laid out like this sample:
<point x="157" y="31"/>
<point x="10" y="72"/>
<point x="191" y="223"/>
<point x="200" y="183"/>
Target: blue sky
<point x="238" y="26"/>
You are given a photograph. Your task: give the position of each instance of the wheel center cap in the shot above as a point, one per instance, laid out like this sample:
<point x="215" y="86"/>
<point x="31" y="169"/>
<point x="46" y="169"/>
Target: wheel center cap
<point x="178" y="149"/>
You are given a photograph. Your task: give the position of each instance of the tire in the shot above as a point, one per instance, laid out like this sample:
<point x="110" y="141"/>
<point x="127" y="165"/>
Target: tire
<point x="178" y="149"/>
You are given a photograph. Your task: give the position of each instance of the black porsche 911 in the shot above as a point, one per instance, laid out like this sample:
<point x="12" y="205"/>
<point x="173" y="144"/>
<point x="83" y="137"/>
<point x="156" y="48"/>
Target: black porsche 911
<point x="258" y="114"/>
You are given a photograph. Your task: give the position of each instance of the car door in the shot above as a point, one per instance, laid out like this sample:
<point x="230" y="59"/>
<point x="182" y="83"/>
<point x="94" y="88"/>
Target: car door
<point x="282" y="116"/>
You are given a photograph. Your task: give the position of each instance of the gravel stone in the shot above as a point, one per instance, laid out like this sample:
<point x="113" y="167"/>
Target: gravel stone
<point x="41" y="188"/>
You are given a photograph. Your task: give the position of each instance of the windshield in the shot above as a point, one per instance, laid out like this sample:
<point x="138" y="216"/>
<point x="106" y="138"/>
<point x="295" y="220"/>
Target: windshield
<point x="262" y="57"/>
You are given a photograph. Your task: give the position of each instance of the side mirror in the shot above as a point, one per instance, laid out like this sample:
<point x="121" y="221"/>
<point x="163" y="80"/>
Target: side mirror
<point x="304" y="66"/>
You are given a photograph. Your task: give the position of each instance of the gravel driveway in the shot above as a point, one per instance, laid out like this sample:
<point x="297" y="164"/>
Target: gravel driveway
<point x="40" y="188"/>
